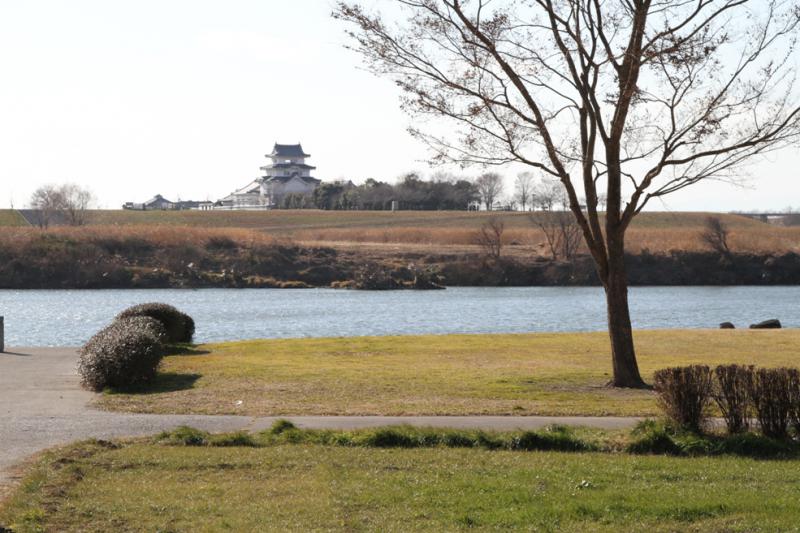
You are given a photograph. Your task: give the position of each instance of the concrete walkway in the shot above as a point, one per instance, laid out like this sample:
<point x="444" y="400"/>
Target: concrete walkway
<point x="42" y="405"/>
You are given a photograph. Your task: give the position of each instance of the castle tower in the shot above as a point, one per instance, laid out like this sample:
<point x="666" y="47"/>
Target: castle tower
<point x="287" y="174"/>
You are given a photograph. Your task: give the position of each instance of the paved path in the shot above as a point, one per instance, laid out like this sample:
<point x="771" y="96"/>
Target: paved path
<point x="42" y="405"/>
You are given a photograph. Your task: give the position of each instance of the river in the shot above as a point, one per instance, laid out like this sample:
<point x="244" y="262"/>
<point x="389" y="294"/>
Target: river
<point x="68" y="318"/>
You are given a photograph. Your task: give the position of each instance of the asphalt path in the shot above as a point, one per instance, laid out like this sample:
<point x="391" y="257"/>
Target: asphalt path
<point x="42" y="405"/>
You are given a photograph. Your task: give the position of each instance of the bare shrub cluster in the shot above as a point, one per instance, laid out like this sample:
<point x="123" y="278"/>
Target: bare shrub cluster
<point x="771" y="396"/>
<point x="128" y="352"/>
<point x="178" y="326"/>
<point x="124" y="354"/>
<point x="490" y="237"/>
<point x="684" y="393"/>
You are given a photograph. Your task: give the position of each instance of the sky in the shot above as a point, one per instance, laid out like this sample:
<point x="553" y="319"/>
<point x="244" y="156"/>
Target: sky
<point x="184" y="98"/>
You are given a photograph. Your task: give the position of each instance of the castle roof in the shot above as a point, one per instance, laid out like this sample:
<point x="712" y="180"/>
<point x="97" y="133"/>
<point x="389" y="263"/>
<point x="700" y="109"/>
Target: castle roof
<point x="288" y="150"/>
<point x="289" y="165"/>
<point x="285" y="179"/>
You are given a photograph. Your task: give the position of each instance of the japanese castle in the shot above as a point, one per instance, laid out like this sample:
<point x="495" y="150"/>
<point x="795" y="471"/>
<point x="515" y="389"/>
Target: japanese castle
<point x="287" y="174"/>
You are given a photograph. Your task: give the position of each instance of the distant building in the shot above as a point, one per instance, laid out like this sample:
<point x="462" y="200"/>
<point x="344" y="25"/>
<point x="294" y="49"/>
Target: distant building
<point x="156" y="203"/>
<point x="287" y="174"/>
<point x="159" y="203"/>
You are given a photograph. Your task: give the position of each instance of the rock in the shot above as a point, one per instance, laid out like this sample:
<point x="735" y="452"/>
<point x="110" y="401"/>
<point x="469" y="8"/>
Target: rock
<point x="767" y="324"/>
<point x="727" y="325"/>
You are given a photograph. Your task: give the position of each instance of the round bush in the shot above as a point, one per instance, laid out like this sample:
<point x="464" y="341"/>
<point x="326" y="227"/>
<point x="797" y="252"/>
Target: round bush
<point x="179" y="326"/>
<point x="124" y="354"/>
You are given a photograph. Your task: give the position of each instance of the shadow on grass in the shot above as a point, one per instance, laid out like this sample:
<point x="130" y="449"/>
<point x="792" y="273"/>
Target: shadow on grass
<point x="657" y="438"/>
<point x="164" y="382"/>
<point x="187" y="349"/>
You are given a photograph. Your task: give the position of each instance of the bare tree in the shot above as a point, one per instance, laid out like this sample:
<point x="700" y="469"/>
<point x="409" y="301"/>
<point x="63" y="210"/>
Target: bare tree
<point x="548" y="194"/>
<point x="490" y="237"/>
<point x="490" y="187"/>
<point x="642" y="98"/>
<point x="76" y="201"/>
<point x="69" y="199"/>
<point x="561" y="232"/>
<point x="602" y="201"/>
<point x="523" y="189"/>
<point x="715" y="235"/>
<point x="47" y="200"/>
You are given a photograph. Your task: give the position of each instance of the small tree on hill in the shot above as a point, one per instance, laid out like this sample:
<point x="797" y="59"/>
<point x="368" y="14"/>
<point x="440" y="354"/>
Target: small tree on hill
<point x="490" y="187"/>
<point x="715" y="235"/>
<point x="490" y="237"/>
<point x="523" y="189"/>
<point x="47" y="200"/>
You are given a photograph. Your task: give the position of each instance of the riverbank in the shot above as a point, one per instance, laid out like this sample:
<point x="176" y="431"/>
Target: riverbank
<point x="103" y="257"/>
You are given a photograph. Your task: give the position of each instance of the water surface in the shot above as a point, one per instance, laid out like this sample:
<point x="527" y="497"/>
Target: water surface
<point x="68" y="318"/>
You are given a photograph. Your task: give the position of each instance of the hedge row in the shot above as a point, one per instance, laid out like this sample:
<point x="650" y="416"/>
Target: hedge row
<point x="128" y="352"/>
<point x="770" y="396"/>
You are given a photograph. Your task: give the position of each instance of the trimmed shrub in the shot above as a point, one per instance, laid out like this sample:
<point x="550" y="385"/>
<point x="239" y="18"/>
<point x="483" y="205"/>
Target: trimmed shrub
<point x="771" y="393"/>
<point x="731" y="392"/>
<point x="684" y="393"/>
<point x="188" y="328"/>
<point x="179" y="326"/>
<point x="124" y="354"/>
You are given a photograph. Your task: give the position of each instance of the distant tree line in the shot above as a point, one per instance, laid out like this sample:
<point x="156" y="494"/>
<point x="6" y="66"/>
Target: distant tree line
<point x="411" y="192"/>
<point x="439" y="192"/>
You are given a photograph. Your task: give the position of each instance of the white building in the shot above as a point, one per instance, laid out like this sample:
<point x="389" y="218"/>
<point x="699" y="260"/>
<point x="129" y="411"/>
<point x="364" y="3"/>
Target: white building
<point x="287" y="174"/>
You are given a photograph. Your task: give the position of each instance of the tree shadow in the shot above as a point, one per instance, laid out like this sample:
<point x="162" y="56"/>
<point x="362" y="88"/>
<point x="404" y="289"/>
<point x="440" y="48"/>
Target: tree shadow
<point x="16" y="354"/>
<point x="164" y="382"/>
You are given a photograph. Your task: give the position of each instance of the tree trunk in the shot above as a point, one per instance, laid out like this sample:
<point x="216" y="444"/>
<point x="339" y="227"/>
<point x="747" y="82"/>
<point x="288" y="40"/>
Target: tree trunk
<point x="626" y="370"/>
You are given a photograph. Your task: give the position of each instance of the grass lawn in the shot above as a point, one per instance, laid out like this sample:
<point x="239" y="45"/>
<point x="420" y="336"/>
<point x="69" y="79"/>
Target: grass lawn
<point x="144" y="486"/>
<point x="542" y="374"/>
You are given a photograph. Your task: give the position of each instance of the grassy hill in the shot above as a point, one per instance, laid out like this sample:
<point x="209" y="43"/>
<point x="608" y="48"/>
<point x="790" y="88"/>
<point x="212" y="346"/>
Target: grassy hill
<point x="11" y="217"/>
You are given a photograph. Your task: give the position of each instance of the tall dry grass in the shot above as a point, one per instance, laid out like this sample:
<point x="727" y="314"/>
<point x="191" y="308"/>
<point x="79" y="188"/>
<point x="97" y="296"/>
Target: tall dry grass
<point x="162" y="236"/>
<point x="744" y="238"/>
<point x="748" y="239"/>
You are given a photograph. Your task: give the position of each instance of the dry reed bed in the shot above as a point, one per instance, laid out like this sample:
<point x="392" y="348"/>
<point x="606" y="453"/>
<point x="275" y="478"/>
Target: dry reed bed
<point x="745" y="237"/>
<point x="758" y="239"/>
<point x="162" y="236"/>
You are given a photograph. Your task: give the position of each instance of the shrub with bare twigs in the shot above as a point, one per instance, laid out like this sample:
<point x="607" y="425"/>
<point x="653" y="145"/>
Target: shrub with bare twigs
<point x="772" y="400"/>
<point x="715" y="234"/>
<point x="490" y="237"/>
<point x="684" y="393"/>
<point x="731" y="393"/>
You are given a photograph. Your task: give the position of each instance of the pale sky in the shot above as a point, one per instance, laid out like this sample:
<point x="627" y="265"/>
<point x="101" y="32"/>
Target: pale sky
<point x="184" y="98"/>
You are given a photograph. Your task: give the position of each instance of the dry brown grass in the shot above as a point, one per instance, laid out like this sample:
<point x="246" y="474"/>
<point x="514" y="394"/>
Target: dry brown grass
<point x="408" y="230"/>
<point x="162" y="235"/>
<point x="760" y="238"/>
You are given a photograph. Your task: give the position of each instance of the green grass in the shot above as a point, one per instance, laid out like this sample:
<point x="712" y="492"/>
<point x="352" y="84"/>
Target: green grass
<point x="11" y="217"/>
<point x="145" y="486"/>
<point x="542" y="374"/>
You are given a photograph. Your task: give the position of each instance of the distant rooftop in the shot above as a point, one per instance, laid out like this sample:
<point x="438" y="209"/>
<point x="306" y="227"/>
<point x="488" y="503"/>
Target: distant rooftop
<point x="288" y="165"/>
<point x="288" y="150"/>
